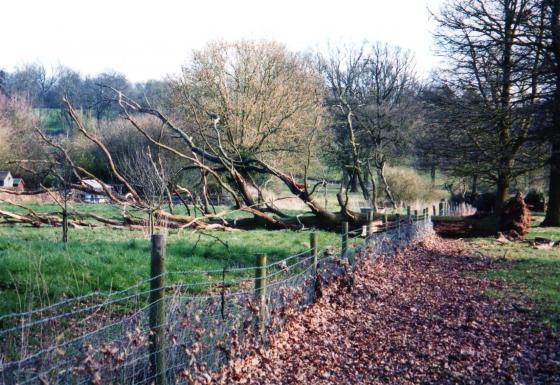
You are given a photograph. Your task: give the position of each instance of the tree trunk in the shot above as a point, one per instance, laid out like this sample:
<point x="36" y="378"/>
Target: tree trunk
<point x="65" y="224"/>
<point x="474" y="186"/>
<point x="501" y="192"/>
<point x="243" y="188"/>
<point x="504" y="125"/>
<point x="552" y="217"/>
<point x="354" y="181"/>
<point x="386" y="186"/>
<point x="326" y="219"/>
<point x="204" y="183"/>
<point x="433" y="175"/>
<point x="344" y="178"/>
<point x="374" y="206"/>
<point x="364" y="187"/>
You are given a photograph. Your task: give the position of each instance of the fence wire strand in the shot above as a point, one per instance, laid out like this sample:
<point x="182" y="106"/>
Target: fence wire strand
<point x="207" y="322"/>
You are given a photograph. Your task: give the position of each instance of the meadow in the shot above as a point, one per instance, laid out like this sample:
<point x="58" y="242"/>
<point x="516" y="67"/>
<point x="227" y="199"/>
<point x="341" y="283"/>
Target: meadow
<point x="38" y="269"/>
<point x="532" y="272"/>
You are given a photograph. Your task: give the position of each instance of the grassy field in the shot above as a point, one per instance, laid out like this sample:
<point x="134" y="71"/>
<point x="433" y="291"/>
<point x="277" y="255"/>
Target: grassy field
<point x="37" y="269"/>
<point x="110" y="211"/>
<point x="51" y="119"/>
<point x="533" y="272"/>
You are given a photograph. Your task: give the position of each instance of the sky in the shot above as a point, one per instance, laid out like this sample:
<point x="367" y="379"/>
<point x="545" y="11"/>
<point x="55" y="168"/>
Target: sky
<point x="152" y="39"/>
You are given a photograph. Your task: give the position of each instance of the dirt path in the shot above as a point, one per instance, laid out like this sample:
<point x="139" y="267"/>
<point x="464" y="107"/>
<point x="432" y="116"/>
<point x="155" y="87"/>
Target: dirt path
<point x="419" y="319"/>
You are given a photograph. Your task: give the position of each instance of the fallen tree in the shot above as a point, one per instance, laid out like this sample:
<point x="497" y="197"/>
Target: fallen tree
<point x="231" y="135"/>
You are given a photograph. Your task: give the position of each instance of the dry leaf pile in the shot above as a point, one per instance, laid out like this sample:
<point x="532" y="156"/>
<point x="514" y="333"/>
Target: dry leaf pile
<point x="416" y="319"/>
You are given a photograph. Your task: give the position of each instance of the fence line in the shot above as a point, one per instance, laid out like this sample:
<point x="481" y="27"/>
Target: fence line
<point x="77" y="342"/>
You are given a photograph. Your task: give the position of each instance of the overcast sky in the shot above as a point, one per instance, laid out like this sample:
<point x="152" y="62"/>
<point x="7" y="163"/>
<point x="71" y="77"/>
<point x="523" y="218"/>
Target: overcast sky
<point x="151" y="39"/>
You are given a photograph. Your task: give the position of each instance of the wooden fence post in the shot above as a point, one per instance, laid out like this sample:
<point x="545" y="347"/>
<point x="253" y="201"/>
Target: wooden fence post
<point x="157" y="311"/>
<point x="370" y="216"/>
<point x="386" y="222"/>
<point x="441" y="208"/>
<point x="260" y="292"/>
<point x="314" y="251"/>
<point x="398" y="225"/>
<point x="344" y="246"/>
<point x="370" y="229"/>
<point x="370" y="225"/>
<point x="434" y="210"/>
<point x="415" y="215"/>
<point x="408" y="214"/>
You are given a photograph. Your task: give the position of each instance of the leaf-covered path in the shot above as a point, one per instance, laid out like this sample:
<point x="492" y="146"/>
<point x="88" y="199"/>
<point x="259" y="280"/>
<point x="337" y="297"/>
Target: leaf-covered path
<point x="421" y="318"/>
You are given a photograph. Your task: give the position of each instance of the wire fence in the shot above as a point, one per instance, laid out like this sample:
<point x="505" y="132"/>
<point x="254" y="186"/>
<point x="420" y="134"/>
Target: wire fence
<point x="194" y="328"/>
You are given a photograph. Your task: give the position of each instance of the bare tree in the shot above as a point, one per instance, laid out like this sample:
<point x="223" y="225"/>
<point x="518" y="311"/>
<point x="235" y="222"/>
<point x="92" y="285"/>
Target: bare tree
<point x="241" y="113"/>
<point x="33" y="82"/>
<point x="492" y="72"/>
<point x="18" y="138"/>
<point x="371" y="91"/>
<point x="64" y="175"/>
<point x="249" y="101"/>
<point x="149" y="176"/>
<point x="552" y="217"/>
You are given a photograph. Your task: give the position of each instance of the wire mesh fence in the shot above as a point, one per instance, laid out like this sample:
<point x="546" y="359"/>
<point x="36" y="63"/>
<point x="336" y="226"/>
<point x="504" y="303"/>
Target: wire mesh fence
<point x="119" y="338"/>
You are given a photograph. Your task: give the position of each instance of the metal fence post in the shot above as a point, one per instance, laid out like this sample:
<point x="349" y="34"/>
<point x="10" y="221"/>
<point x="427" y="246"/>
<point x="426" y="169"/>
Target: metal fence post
<point x="157" y="310"/>
<point x="314" y="251"/>
<point x="344" y="246"/>
<point x="260" y="292"/>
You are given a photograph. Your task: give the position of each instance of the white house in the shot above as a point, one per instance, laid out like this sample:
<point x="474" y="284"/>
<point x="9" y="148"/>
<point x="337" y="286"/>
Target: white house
<point x="98" y="195"/>
<point x="6" y="179"/>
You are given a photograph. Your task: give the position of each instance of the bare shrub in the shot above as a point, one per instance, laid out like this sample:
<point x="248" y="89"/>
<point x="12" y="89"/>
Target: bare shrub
<point x="18" y="139"/>
<point x="408" y="186"/>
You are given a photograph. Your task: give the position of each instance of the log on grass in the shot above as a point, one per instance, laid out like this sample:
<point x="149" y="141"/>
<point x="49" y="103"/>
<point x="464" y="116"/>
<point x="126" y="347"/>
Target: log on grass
<point x="465" y="227"/>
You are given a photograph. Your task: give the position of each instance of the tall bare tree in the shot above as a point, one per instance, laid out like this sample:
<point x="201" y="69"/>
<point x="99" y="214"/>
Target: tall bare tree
<point x="371" y="91"/>
<point x="552" y="217"/>
<point x="492" y="69"/>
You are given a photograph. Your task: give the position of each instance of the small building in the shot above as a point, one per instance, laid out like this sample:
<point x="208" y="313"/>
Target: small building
<point x="6" y="179"/>
<point x="97" y="192"/>
<point x="19" y="185"/>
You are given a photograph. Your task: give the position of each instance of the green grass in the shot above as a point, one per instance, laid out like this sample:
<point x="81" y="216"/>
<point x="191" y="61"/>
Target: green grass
<point x="51" y="119"/>
<point x="106" y="210"/>
<point x="37" y="269"/>
<point x="533" y="272"/>
<point x="113" y="211"/>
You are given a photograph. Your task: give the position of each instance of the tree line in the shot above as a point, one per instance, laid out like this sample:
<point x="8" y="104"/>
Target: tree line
<point x="45" y="88"/>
